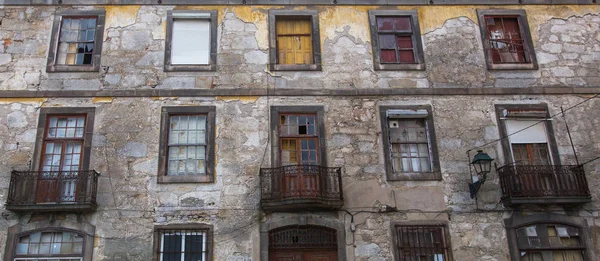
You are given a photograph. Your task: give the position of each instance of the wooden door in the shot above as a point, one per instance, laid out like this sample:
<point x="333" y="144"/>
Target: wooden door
<point x="532" y="154"/>
<point x="303" y="255"/>
<point x="320" y="255"/>
<point x="302" y="180"/>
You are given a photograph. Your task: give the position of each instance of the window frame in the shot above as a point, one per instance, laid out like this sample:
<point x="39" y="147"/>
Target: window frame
<point x="206" y="228"/>
<point x="435" y="173"/>
<point x="506" y="145"/>
<point x="166" y="113"/>
<point x="212" y="66"/>
<point x="313" y="16"/>
<point x="318" y="111"/>
<point x="415" y="223"/>
<point x="518" y="221"/>
<point x="419" y="64"/>
<point x="45" y="114"/>
<point x="524" y="29"/>
<point x="51" y="65"/>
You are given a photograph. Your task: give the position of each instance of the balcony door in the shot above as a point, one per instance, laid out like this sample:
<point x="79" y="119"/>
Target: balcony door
<point x="298" y="139"/>
<point x="61" y="159"/>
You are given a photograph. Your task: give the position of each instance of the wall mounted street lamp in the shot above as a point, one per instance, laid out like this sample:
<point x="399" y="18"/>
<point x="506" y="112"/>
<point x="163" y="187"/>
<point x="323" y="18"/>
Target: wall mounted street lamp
<point x="482" y="163"/>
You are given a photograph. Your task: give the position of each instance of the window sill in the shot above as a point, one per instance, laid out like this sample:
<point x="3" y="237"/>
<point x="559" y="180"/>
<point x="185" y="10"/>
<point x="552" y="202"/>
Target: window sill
<point x="415" y="176"/>
<point x="191" y="68"/>
<point x="72" y="68"/>
<point x="185" y="179"/>
<point x="295" y="67"/>
<point x="399" y="67"/>
<point x="513" y="66"/>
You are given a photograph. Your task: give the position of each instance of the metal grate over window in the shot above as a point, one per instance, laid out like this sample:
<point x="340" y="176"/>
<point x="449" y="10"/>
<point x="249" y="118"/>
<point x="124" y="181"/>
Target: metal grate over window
<point x="294" y="237"/>
<point x="183" y="245"/>
<point x="425" y="242"/>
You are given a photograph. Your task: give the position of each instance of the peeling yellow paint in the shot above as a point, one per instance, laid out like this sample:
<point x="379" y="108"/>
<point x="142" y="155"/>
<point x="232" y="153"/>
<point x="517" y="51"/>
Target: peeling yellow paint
<point x="96" y="240"/>
<point x="119" y="16"/>
<point x="23" y="100"/>
<point x="102" y="100"/>
<point x="334" y="20"/>
<point x="247" y="99"/>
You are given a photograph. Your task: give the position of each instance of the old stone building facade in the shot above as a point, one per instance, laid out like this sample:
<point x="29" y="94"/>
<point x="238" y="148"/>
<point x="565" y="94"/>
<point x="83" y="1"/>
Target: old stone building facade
<point x="299" y="130"/>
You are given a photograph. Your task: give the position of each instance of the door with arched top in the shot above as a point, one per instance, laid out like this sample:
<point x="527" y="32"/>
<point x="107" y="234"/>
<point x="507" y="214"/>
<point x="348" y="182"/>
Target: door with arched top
<point x="303" y="243"/>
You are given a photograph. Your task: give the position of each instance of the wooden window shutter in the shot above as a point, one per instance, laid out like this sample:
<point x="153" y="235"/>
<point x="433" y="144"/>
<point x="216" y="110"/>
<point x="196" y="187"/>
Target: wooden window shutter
<point x="294" y="42"/>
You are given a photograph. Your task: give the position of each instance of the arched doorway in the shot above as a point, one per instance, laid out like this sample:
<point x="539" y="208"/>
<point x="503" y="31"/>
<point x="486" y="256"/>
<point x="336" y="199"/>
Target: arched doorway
<point x="303" y="243"/>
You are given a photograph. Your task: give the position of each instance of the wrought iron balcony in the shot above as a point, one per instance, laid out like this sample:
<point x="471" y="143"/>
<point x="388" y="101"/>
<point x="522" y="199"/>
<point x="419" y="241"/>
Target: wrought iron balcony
<point x="52" y="191"/>
<point x="306" y="187"/>
<point x="543" y="184"/>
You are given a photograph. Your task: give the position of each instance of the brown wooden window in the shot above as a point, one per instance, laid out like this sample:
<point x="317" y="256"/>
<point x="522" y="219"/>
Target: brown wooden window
<point x="294" y="41"/>
<point x="76" y="42"/>
<point x="421" y="242"/>
<point x="50" y="246"/>
<point x="63" y="143"/>
<point x="396" y="40"/>
<point x="187" y="144"/>
<point x="552" y="242"/>
<point x="299" y="139"/>
<point x="506" y="42"/>
<point x="506" y="39"/>
<point x="410" y="143"/>
<point x="528" y="141"/>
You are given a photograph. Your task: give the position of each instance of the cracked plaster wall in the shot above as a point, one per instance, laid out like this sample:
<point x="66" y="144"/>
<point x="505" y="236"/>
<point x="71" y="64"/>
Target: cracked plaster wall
<point x="566" y="41"/>
<point x="125" y="142"/>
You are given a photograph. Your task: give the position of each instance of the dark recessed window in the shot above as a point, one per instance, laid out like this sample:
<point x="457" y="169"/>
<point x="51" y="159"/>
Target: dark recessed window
<point x="422" y="242"/>
<point x="506" y="39"/>
<point x="396" y="40"/>
<point x="183" y="242"/>
<point x="76" y="42"/>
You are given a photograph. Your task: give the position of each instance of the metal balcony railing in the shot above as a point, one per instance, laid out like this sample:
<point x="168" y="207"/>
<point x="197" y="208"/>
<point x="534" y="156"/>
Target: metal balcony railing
<point x="538" y="181"/>
<point x="52" y="190"/>
<point x="301" y="183"/>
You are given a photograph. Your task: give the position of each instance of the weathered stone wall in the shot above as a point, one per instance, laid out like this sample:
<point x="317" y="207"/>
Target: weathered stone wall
<point x="126" y="130"/>
<point x="125" y="148"/>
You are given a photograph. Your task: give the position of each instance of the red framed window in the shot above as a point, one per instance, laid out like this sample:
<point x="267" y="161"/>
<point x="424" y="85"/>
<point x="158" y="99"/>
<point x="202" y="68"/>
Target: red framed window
<point x="396" y="39"/>
<point x="63" y="143"/>
<point x="506" y="41"/>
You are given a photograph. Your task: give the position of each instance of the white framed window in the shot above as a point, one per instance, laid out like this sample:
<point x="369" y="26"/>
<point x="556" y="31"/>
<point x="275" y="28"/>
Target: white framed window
<point x="191" y="41"/>
<point x="183" y="245"/>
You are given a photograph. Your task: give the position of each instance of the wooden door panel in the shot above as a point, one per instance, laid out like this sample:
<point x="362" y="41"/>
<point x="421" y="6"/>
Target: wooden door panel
<point x="320" y="255"/>
<point x="285" y="256"/>
<point x="47" y="189"/>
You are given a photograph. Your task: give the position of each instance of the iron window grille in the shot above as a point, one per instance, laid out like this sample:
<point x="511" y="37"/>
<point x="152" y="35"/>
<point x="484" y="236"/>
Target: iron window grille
<point x="422" y="242"/>
<point x="297" y="237"/>
<point x="183" y="245"/>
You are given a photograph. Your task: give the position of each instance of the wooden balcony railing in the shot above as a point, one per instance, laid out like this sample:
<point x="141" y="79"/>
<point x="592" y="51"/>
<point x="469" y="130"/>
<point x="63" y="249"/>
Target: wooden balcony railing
<point x="301" y="187"/>
<point x="50" y="191"/>
<point x="543" y="184"/>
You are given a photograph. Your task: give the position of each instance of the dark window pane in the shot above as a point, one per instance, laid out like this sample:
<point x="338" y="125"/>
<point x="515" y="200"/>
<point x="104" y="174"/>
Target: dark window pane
<point x="407" y="56"/>
<point x="388" y="56"/>
<point x="402" y="24"/>
<point x="302" y="130"/>
<point x="384" y="24"/>
<point x="511" y="28"/>
<point x="193" y="248"/>
<point x="387" y="41"/>
<point x="404" y="41"/>
<point x="87" y="58"/>
<point x="172" y="248"/>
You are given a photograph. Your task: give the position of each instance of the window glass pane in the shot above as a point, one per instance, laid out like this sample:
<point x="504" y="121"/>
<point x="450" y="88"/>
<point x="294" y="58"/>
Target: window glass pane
<point x="385" y="24"/>
<point x="387" y="41"/>
<point x="191" y="42"/>
<point x="171" y="248"/>
<point x="388" y="56"/>
<point x="193" y="247"/>
<point x="404" y="41"/>
<point x="402" y="23"/>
